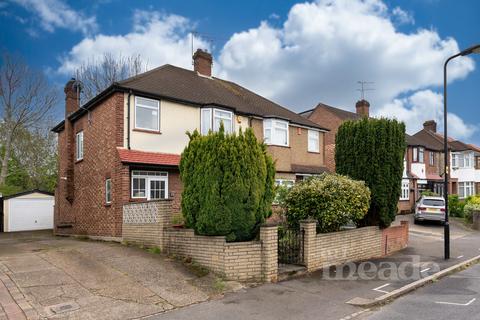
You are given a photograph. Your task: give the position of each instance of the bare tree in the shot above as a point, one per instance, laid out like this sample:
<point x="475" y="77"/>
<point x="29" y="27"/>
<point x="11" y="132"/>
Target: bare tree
<point x="26" y="98"/>
<point x="97" y="74"/>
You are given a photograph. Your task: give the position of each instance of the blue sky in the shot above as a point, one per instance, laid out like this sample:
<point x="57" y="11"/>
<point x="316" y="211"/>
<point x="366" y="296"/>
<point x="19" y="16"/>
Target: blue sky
<point x="296" y="53"/>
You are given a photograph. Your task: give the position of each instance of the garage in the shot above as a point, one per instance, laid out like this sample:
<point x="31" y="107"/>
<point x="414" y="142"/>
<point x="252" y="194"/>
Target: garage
<point x="30" y="210"/>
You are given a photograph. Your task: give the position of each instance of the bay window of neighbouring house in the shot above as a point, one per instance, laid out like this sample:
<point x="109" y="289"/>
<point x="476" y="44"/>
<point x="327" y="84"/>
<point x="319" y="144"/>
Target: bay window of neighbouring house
<point x="150" y="185"/>
<point x="79" y="145"/>
<point x="405" y="195"/>
<point x="462" y="160"/>
<point x="415" y="154"/>
<point x="466" y="189"/>
<point x="147" y="114"/>
<point x="211" y="119"/>
<point x="313" y="141"/>
<point x="431" y="159"/>
<point x="421" y="152"/>
<point x="275" y="132"/>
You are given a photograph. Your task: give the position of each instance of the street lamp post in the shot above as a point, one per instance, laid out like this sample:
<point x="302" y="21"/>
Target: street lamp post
<point x="466" y="52"/>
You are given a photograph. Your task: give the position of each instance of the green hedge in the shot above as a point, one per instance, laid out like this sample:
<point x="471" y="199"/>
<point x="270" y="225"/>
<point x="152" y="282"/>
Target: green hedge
<point x="228" y="184"/>
<point x="333" y="200"/>
<point x="372" y="150"/>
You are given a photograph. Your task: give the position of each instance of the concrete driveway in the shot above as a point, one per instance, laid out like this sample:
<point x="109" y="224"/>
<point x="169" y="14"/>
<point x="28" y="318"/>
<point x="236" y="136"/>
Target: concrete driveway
<point x="54" y="277"/>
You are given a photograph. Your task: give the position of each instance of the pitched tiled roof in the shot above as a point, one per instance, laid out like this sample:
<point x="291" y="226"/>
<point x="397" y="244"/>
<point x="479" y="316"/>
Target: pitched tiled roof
<point x="187" y="85"/>
<point x="430" y="140"/>
<point x="142" y="157"/>
<point x="340" y="113"/>
<point x="413" y="141"/>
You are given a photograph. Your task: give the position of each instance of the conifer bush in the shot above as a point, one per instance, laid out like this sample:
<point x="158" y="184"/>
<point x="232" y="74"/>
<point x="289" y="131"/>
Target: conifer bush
<point x="372" y="150"/>
<point x="331" y="199"/>
<point x="228" y="182"/>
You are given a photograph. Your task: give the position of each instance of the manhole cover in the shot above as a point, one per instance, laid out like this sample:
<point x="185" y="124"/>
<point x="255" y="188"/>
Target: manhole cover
<point x="64" y="307"/>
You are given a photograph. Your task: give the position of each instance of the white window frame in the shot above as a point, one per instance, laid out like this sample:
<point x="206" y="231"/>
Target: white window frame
<point x="79" y="145"/>
<point x="421" y="155"/>
<point x="108" y="190"/>
<point x="212" y="116"/>
<point x="466" y="189"/>
<point x="157" y="108"/>
<point x="315" y="140"/>
<point x="405" y="195"/>
<point x="415" y="154"/>
<point x="148" y="176"/>
<point x="272" y="126"/>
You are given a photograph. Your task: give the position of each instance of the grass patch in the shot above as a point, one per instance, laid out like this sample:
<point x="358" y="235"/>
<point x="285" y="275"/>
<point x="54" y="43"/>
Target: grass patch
<point x="155" y="250"/>
<point x="219" y="285"/>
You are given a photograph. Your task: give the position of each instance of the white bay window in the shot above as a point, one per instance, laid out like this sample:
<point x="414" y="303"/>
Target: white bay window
<point x="466" y="189"/>
<point x="212" y="118"/>
<point x="150" y="185"/>
<point x="275" y="132"/>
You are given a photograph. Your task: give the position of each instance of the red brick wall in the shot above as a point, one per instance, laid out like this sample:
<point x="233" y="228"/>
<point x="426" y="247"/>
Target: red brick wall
<point x="87" y="211"/>
<point x="395" y="238"/>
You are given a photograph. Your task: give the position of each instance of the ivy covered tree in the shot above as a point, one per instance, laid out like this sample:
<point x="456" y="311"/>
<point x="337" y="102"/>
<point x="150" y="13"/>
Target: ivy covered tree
<point x="228" y="184"/>
<point x="372" y="150"/>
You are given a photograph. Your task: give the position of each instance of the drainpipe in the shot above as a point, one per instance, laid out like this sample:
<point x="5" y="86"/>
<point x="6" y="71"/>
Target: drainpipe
<point x="128" y="119"/>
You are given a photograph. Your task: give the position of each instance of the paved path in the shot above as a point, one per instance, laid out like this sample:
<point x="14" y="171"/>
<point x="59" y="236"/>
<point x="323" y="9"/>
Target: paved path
<point x="314" y="297"/>
<point x="48" y="277"/>
<point x="454" y="297"/>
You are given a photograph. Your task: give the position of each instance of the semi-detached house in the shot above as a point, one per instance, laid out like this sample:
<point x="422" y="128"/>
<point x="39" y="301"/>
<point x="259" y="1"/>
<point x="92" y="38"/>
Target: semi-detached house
<point x="124" y="145"/>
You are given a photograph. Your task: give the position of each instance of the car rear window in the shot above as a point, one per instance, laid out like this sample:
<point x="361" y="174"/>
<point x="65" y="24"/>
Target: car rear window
<point x="433" y="202"/>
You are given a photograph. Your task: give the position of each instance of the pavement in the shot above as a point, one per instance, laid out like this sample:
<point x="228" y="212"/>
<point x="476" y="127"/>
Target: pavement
<point x="454" y="297"/>
<point x="60" y="278"/>
<point x="42" y="276"/>
<point x="317" y="296"/>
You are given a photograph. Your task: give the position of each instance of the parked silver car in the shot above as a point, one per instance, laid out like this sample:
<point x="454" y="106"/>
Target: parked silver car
<point x="430" y="208"/>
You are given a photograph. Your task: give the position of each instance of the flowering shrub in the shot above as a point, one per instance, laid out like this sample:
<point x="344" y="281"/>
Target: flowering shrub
<point x="472" y="205"/>
<point x="331" y="199"/>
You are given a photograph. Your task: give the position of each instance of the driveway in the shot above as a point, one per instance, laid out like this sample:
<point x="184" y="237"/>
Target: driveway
<point x="57" y="277"/>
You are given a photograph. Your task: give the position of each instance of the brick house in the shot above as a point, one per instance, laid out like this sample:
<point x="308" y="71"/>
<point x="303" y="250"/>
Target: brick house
<point x="124" y="145"/>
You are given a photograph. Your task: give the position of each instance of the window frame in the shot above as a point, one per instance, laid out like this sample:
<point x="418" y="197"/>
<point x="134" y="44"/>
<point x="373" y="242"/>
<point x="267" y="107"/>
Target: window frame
<point x="147" y="107"/>
<point x="108" y="190"/>
<point x="149" y="175"/>
<point x="405" y="190"/>
<point x="421" y="155"/>
<point x="212" y="117"/>
<point x="272" y="125"/>
<point x="317" y="140"/>
<point x="463" y="187"/>
<point x="431" y="160"/>
<point x="79" y="146"/>
<point x="415" y="154"/>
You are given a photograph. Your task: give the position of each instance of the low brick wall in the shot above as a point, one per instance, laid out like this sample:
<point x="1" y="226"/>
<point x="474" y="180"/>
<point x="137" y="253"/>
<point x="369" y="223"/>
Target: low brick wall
<point x="329" y="249"/>
<point x="143" y="223"/>
<point x="149" y="224"/>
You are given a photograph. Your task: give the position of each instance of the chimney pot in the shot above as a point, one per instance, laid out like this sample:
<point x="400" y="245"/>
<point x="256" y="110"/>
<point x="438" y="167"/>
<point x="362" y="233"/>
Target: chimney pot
<point x="363" y="108"/>
<point x="202" y="62"/>
<point x="430" y="125"/>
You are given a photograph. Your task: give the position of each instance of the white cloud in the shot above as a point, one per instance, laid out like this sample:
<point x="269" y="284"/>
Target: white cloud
<point x="158" y="38"/>
<point x="57" y="14"/>
<point x="402" y="16"/>
<point x="325" y="47"/>
<point x="425" y="105"/>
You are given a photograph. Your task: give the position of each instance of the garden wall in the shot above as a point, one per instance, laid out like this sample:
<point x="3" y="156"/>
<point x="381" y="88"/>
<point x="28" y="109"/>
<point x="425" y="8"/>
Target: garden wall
<point x="329" y="249"/>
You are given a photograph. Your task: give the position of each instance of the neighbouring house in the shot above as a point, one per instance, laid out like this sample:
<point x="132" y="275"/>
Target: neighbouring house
<point x="124" y="145"/>
<point x="465" y="164"/>
<point x="26" y="211"/>
<point x="331" y="118"/>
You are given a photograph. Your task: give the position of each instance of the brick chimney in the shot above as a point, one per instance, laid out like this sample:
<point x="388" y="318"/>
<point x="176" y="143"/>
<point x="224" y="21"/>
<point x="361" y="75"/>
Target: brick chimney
<point x="71" y="96"/>
<point x="363" y="108"/>
<point x="202" y="62"/>
<point x="430" y="125"/>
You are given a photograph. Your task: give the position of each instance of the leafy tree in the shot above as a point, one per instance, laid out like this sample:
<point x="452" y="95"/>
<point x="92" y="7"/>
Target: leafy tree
<point x="372" y="150"/>
<point x="333" y="200"/>
<point x="228" y="184"/>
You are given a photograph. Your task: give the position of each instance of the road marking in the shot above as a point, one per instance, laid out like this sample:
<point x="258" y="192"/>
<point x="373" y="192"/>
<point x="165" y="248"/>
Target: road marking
<point x="382" y="291"/>
<point x="354" y="315"/>
<point x="459" y="257"/>
<point x="425" y="270"/>
<point x="457" y="304"/>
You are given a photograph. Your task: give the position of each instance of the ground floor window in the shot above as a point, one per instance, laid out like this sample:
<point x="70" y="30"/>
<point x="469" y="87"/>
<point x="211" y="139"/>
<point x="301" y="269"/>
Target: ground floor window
<point x="405" y="190"/>
<point x="281" y="192"/>
<point x="466" y="189"/>
<point x="152" y="185"/>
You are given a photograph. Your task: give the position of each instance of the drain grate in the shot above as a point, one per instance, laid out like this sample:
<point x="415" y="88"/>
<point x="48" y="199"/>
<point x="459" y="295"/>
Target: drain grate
<point x="64" y="307"/>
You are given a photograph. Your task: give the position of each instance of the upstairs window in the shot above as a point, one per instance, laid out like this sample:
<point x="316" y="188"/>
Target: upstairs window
<point x="432" y="158"/>
<point x="275" y="132"/>
<point x="462" y="160"/>
<point x="147" y="114"/>
<point x="79" y="145"/>
<point x="212" y="118"/>
<point x="313" y="141"/>
<point x="418" y="154"/>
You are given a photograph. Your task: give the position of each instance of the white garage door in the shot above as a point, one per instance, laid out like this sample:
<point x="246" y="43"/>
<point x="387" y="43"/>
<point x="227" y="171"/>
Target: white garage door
<point x="30" y="214"/>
